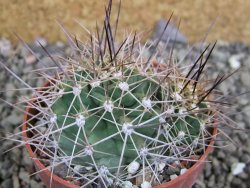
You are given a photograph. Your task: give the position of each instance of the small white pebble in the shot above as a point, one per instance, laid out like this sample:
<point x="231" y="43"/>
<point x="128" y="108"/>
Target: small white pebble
<point x="133" y="167"/>
<point x="41" y="41"/>
<point x="5" y="47"/>
<point x="161" y="166"/>
<point x="127" y="184"/>
<point x="89" y="168"/>
<point x="234" y="61"/>
<point x="79" y="68"/>
<point x="80" y="169"/>
<point x="173" y="176"/>
<point x="146" y="184"/>
<point x="30" y="59"/>
<point x="237" y="168"/>
<point x="177" y="162"/>
<point x="41" y="129"/>
<point x="60" y="44"/>
<point x="183" y="170"/>
<point x="193" y="105"/>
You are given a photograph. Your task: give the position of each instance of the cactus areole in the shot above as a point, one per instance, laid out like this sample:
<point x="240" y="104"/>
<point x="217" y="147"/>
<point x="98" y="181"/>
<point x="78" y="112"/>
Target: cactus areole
<point x="119" y="115"/>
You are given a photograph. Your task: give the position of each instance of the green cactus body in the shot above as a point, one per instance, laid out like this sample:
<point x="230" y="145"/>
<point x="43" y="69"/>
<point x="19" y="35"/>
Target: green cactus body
<point x="106" y="105"/>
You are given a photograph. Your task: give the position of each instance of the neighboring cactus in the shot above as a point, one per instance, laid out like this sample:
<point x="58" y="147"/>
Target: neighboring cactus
<point x="122" y="110"/>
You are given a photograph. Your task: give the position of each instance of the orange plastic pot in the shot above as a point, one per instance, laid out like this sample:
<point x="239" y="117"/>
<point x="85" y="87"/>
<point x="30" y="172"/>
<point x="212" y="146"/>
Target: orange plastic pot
<point x="50" y="180"/>
<point x="53" y="181"/>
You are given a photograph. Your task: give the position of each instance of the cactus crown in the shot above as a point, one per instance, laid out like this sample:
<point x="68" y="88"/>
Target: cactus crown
<point x="122" y="110"/>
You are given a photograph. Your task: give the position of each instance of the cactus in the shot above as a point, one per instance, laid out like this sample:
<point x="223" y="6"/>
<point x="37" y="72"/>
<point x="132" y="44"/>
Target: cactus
<point x="122" y="109"/>
<point x="121" y="113"/>
<point x="113" y="116"/>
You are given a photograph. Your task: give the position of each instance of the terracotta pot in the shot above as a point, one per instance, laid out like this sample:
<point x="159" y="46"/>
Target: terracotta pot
<point x="53" y="181"/>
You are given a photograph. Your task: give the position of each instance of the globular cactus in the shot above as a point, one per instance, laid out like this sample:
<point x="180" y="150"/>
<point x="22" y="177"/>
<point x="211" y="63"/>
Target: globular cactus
<point x="122" y="115"/>
<point x="115" y="114"/>
<point x="121" y="110"/>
